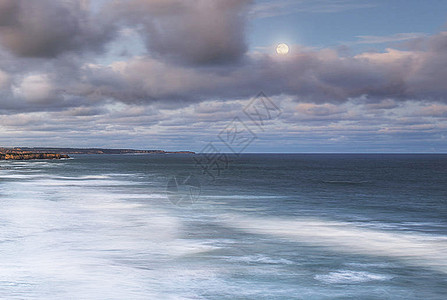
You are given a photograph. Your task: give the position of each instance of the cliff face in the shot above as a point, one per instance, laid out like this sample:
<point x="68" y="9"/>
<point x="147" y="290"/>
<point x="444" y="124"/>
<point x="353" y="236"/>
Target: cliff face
<point x="27" y="156"/>
<point x="25" y="153"/>
<point x="92" y="151"/>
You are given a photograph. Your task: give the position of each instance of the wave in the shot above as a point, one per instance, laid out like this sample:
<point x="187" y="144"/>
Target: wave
<point x="82" y="177"/>
<point x="20" y="176"/>
<point x="80" y="182"/>
<point x="411" y="248"/>
<point x="348" y="276"/>
<point x="344" y="182"/>
<point x="261" y="259"/>
<point x="239" y="197"/>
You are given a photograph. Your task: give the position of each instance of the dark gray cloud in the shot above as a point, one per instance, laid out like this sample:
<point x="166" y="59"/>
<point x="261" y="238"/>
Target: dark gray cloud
<point x="193" y="32"/>
<point x="47" y="28"/>
<point x="8" y="12"/>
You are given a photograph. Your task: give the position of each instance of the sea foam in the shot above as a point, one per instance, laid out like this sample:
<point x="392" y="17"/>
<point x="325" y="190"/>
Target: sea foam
<point x="410" y="248"/>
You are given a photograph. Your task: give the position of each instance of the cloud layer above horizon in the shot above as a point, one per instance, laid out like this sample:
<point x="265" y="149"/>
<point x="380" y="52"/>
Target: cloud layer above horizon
<point x="172" y="73"/>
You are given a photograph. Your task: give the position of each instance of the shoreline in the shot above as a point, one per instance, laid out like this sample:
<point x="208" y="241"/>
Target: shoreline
<point x="67" y="151"/>
<point x="31" y="156"/>
<point x="33" y="153"/>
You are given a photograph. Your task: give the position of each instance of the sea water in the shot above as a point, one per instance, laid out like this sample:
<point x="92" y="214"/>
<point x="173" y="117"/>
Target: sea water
<point x="266" y="226"/>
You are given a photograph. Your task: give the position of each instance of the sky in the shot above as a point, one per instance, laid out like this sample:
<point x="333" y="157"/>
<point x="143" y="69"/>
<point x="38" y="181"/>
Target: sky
<point x="360" y="76"/>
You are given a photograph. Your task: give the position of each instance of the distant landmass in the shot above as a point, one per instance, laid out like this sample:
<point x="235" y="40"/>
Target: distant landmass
<point x="26" y="153"/>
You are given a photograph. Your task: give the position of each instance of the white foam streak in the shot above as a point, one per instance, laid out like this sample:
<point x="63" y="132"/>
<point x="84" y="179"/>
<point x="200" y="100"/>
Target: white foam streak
<point x="85" y="241"/>
<point x="347" y="276"/>
<point x="411" y="248"/>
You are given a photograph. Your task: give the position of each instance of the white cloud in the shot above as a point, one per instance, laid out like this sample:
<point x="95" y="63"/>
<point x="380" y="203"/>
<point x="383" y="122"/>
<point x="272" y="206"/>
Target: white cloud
<point x="398" y="37"/>
<point x="265" y="9"/>
<point x="36" y="88"/>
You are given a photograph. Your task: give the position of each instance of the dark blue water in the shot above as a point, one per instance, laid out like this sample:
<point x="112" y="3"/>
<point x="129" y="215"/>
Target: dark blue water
<point x="267" y="227"/>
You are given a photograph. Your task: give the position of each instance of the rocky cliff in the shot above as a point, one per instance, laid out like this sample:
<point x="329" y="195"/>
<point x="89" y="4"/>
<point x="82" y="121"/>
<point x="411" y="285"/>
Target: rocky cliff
<point x="27" y="156"/>
<point x="93" y="151"/>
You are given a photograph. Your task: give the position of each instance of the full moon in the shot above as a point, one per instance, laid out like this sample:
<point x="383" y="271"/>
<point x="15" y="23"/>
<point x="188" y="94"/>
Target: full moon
<point x="282" y="49"/>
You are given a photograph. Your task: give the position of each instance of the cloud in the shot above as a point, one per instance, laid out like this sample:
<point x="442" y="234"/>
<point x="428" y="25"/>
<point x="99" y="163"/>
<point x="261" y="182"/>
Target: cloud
<point x="47" y="28"/>
<point x="398" y="37"/>
<point x="317" y="76"/>
<point x="35" y="88"/>
<point x="313" y="76"/>
<point x="383" y="104"/>
<point x="434" y="110"/>
<point x="321" y="110"/>
<point x="4" y="79"/>
<point x="193" y="32"/>
<point x="265" y="9"/>
<point x="58" y="75"/>
<point x="195" y="57"/>
<point x="142" y="126"/>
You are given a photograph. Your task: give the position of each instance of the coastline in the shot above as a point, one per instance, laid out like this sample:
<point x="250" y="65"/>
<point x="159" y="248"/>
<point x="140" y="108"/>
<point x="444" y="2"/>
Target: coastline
<point x="30" y="156"/>
<point x="26" y="153"/>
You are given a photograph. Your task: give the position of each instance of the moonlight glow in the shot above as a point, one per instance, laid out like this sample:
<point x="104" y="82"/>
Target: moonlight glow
<point x="282" y="49"/>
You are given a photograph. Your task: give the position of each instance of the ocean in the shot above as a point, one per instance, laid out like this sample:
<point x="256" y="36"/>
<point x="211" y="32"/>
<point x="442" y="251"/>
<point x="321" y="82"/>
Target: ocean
<point x="264" y="226"/>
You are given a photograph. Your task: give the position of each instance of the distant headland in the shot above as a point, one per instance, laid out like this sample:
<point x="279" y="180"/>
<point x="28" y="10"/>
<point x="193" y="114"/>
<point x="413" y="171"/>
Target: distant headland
<point x="26" y="153"/>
